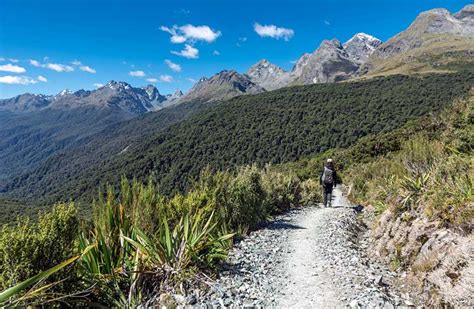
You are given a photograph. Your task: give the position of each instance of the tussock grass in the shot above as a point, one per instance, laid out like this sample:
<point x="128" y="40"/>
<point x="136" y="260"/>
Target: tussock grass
<point x="430" y="175"/>
<point x="139" y="242"/>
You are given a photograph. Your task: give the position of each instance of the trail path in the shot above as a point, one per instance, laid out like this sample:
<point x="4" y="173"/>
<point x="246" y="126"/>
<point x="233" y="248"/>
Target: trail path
<point x="309" y="284"/>
<point x="309" y="258"/>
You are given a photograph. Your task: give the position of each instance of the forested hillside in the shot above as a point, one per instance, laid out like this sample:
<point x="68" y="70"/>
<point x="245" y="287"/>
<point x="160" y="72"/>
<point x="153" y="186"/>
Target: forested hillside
<point x="274" y="127"/>
<point x="27" y="139"/>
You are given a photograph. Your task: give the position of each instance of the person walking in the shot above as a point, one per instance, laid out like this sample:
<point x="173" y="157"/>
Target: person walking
<point x="328" y="180"/>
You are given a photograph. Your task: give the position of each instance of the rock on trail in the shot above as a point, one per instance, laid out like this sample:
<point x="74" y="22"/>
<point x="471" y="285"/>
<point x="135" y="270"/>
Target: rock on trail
<point x="307" y="258"/>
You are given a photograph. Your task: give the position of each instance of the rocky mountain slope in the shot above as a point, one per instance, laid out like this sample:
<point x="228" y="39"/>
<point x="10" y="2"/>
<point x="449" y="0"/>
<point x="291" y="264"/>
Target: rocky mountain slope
<point x="361" y="46"/>
<point x="331" y="62"/>
<point x="436" y="40"/>
<point x="268" y="75"/>
<point x="221" y="86"/>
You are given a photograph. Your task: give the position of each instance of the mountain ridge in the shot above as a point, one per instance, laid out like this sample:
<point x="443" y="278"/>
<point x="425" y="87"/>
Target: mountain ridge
<point x="118" y="95"/>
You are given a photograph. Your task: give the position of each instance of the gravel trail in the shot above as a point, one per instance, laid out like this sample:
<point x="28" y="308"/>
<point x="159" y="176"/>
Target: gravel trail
<point x="308" y="258"/>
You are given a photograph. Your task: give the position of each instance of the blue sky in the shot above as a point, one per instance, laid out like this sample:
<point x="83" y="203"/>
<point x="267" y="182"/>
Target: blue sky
<point x="81" y="44"/>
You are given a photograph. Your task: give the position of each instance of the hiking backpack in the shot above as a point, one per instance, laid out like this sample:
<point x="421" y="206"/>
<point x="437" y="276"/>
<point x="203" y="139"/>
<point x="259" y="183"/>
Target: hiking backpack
<point x="328" y="176"/>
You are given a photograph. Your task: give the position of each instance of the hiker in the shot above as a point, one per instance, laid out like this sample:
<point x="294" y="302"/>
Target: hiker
<point x="328" y="181"/>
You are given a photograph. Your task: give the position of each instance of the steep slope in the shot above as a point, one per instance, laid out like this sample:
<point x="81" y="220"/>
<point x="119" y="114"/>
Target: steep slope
<point x="334" y="61"/>
<point x="436" y="41"/>
<point x="418" y="225"/>
<point x="361" y="46"/>
<point x="27" y="139"/>
<point x="268" y="75"/>
<point x="329" y="63"/>
<point x="279" y="126"/>
<point x="221" y="86"/>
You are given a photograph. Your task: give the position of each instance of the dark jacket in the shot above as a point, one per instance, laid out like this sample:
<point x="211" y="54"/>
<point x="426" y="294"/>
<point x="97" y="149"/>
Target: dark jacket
<point x="331" y="167"/>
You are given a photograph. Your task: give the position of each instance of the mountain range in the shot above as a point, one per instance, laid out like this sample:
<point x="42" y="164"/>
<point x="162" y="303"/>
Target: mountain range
<point x="114" y="95"/>
<point x="437" y="30"/>
<point x="89" y="127"/>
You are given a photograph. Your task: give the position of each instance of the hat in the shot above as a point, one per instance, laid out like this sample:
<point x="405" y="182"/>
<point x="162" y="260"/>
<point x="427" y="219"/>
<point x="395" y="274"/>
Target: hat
<point x="329" y="161"/>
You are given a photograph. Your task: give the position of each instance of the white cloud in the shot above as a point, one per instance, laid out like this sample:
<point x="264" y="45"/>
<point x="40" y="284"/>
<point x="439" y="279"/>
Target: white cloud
<point x="35" y="63"/>
<point x="52" y="66"/>
<point x="188" y="52"/>
<point x="16" y="80"/>
<point x="12" y="68"/>
<point x="13" y="60"/>
<point x="177" y="39"/>
<point x="137" y="73"/>
<point x="173" y="66"/>
<point x="152" y="80"/>
<point x="82" y="67"/>
<point x="42" y="79"/>
<point x="166" y="78"/>
<point x="216" y="53"/>
<point x="98" y="85"/>
<point x="2" y="59"/>
<point x="327" y="23"/>
<point x="192" y="80"/>
<point x="87" y="69"/>
<point x="190" y="33"/>
<point x="273" y="31"/>
<point x="58" y="67"/>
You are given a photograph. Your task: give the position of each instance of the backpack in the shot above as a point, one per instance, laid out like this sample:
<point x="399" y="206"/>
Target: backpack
<point x="328" y="176"/>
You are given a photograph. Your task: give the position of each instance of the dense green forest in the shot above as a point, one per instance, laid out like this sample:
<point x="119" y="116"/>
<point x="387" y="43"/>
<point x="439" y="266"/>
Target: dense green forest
<point x="274" y="127"/>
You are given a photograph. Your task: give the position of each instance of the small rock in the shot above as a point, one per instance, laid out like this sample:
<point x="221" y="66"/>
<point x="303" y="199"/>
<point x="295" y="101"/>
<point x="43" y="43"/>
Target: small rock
<point x="354" y="303"/>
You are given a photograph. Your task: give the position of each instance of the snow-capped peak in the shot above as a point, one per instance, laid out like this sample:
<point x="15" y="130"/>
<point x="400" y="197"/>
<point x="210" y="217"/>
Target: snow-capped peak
<point x="64" y="92"/>
<point x="365" y="36"/>
<point x="118" y="85"/>
<point x="361" y="46"/>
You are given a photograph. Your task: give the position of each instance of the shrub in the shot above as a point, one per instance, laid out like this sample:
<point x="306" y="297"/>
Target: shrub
<point x="28" y="247"/>
<point x="311" y="192"/>
<point x="283" y="191"/>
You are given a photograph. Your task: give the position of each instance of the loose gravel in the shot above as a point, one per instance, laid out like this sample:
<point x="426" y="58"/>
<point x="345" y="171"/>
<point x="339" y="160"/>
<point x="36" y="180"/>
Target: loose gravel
<point x="307" y="258"/>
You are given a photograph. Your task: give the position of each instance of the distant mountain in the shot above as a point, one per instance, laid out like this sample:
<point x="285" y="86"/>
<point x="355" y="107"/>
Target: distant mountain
<point x="331" y="62"/>
<point x="35" y="127"/>
<point x="268" y="75"/>
<point x="361" y="46"/>
<point x="25" y="102"/>
<point x="432" y="22"/>
<point x="221" y="86"/>
<point x="175" y="96"/>
<point x="114" y="95"/>
<point x="435" y="41"/>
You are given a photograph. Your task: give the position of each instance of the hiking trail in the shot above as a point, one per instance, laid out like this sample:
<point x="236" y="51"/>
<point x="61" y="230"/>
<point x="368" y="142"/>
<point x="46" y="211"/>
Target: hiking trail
<point x="306" y="258"/>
